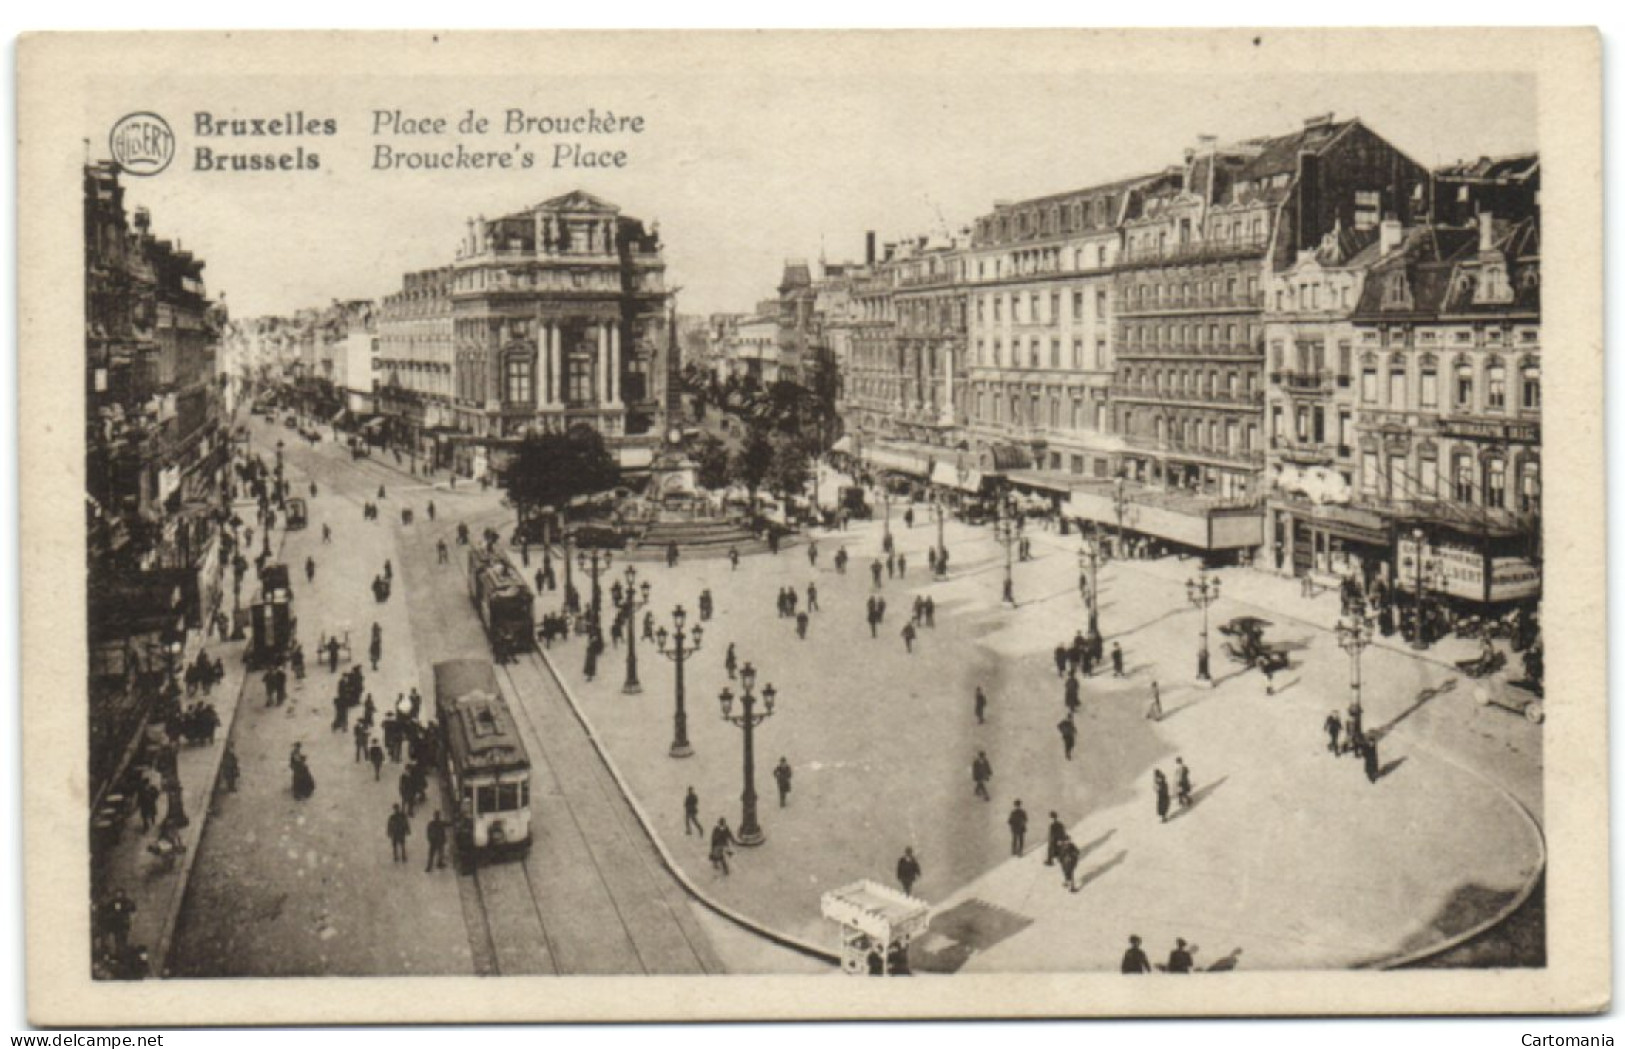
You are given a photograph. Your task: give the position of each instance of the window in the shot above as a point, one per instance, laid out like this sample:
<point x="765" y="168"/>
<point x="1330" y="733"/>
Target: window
<point x="1367" y="209"/>
<point x="1464" y="385"/>
<point x="1396" y="385"/>
<point x="1032" y="301"/>
<point x="580" y="384"/>
<point x="1427" y="485"/>
<point x="1077" y="354"/>
<point x="1368" y="384"/>
<point x="1345" y="358"/>
<point x="1032" y="352"/>
<point x="1277" y="355"/>
<point x="1430" y="385"/>
<point x="1531" y="386"/>
<point x="1495" y="484"/>
<point x="1054" y="307"/>
<point x="1369" y="474"/>
<point x="998" y="307"/>
<point x="1464" y="479"/>
<point x="1100" y="362"/>
<point x="998" y="353"/>
<point x="981" y="310"/>
<point x="1529" y="487"/>
<point x="1055" y="353"/>
<point x="1055" y="413"/>
<point x="1077" y="304"/>
<point x="518" y="386"/>
<point x="1497" y="386"/>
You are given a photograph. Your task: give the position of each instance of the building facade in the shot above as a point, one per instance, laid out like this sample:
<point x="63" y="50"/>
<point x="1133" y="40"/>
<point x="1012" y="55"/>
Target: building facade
<point x="414" y="376"/>
<point x="1040" y="320"/>
<point x="559" y="318"/>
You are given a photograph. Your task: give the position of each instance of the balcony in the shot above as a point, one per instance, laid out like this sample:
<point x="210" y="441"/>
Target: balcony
<point x="1193" y="398"/>
<point x="1303" y="381"/>
<point x="1192" y="304"/>
<point x="1216" y="351"/>
<point x="1195" y="251"/>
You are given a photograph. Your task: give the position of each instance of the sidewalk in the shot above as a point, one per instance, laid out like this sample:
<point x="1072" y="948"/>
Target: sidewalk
<point x="157" y="889"/>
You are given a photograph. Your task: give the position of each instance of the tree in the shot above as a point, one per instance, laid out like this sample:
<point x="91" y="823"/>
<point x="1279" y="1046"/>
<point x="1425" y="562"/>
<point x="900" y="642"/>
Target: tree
<point x="712" y="457"/>
<point x="552" y="468"/>
<point x="788" y="473"/>
<point x="752" y="463"/>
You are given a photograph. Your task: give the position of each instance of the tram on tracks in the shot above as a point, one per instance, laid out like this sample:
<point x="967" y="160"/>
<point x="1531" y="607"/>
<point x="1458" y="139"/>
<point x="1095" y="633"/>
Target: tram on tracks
<point x="487" y="769"/>
<point x="504" y="602"/>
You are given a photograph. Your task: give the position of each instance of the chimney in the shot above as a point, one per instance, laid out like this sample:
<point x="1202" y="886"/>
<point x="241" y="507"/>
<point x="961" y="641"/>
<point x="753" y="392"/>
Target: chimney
<point x="1389" y="234"/>
<point x="1319" y="121"/>
<point x="869" y="248"/>
<point x="1486" y="231"/>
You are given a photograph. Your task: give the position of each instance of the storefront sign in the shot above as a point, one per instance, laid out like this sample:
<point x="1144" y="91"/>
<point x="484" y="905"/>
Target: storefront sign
<point x="1513" y="579"/>
<point x="1521" y="433"/>
<point x="1452" y="570"/>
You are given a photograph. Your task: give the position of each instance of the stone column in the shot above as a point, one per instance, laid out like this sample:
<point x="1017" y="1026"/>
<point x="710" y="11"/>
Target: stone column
<point x="555" y="365"/>
<point x="946" y="414"/>
<point x="615" y="365"/>
<point x="603" y="364"/>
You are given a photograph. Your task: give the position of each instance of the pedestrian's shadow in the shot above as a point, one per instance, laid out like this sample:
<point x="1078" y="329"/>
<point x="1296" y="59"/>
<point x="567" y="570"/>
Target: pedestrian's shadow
<point x="1089" y="876"/>
<point x="1389" y="767"/>
<point x="1198" y="796"/>
<point x="1201" y="697"/>
<point x="1089" y="847"/>
<point x="1279" y="689"/>
<point x="1421" y="700"/>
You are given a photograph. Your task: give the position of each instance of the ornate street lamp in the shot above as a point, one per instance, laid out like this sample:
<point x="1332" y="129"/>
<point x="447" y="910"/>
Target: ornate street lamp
<point x="941" y="513"/>
<point x="1353" y="635"/>
<point x="1202" y="592"/>
<point x="1005" y="534"/>
<point x="594" y="561"/>
<point x="683" y="644"/>
<point x="750" y="832"/>
<point x="633" y="599"/>
<point x="1418" y="640"/>
<point x="1090" y="554"/>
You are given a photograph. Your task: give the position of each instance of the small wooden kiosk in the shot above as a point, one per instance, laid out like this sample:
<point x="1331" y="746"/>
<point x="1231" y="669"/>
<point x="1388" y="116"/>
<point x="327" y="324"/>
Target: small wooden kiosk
<point x="877" y="924"/>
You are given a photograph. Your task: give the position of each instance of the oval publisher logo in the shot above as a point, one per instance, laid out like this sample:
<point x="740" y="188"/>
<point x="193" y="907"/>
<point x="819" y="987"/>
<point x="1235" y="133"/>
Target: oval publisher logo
<point x="142" y="143"/>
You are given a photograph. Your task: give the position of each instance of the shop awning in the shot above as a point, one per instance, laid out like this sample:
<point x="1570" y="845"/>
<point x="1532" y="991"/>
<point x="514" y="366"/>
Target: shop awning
<point x="900" y="462"/>
<point x="961" y="479"/>
<point x="1191" y="520"/>
<point x="1043" y="480"/>
<point x="1010" y="457"/>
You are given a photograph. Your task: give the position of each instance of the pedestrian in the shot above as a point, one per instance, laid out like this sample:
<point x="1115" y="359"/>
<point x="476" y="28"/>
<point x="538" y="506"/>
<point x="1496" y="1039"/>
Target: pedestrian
<point x="310" y="570"/>
<point x="1072" y="693"/>
<point x="407" y="786"/>
<point x="931" y="559"/>
<point x="908" y="871"/>
<point x="304" y="784"/>
<point x="1179" y="959"/>
<point x="327" y="533"/>
<point x="981" y="706"/>
<point x="1160" y="783"/>
<point x="781" y="776"/>
<point x="648" y="626"/>
<point x="1372" y="768"/>
<point x="691" y="814"/>
<point x="875" y="568"/>
<point x="722" y="843"/>
<point x="733" y="558"/>
<point x="1069" y="734"/>
<point x="1334" y="727"/>
<point x="1154" y="711"/>
<point x="812" y="553"/>
<point x="1117" y="660"/>
<point x="930" y="612"/>
<point x="672" y="555"/>
<point x="146" y="800"/>
<point x="1182" y="781"/>
<point x="1268" y="667"/>
<point x="1062" y="660"/>
<point x="1134" y="959"/>
<point x="731" y="661"/>
<point x="891" y="563"/>
<point x="229" y="770"/>
<point x="375" y="754"/>
<point x="1354" y="733"/>
<point x="360" y="734"/>
<point x="436" y="830"/>
<point x="1068" y="855"/>
<point x="908" y="637"/>
<point x="333" y="655"/>
<point x="1018" y="828"/>
<point x="981" y="770"/>
<point x="398" y="827"/>
<point x="1057" y="834"/>
<point x="442" y="554"/>
<point x="801" y="625"/>
<point x="812" y="597"/>
<point x="902" y="565"/>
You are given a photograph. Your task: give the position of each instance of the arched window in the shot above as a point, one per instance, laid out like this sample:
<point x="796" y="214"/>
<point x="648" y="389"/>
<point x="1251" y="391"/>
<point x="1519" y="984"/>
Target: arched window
<point x="1531" y="386"/>
<point x="1464" y="384"/>
<point x="1495" y="484"/>
<point x="1529" y="486"/>
<point x="1496" y="385"/>
<point x="1463" y="473"/>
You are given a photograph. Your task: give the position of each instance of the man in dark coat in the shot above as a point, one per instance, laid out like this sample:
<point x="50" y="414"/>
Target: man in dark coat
<point x="1372" y="764"/>
<point x="1134" y="959"/>
<point x="691" y="813"/>
<point x="1018" y="828"/>
<point x="1072" y="690"/>
<point x="722" y="843"/>
<point x="1061" y="660"/>
<point x="437" y="842"/>
<point x="1057" y="834"/>
<point x="781" y="776"/>
<point x="1179" y="959"/>
<point x="1068" y="854"/>
<point x="981" y="770"/>
<point x="1334" y="727"/>
<point x="1069" y="734"/>
<point x="908" y="871"/>
<point x="1117" y="660"/>
<point x="981" y="705"/>
<point x="398" y="827"/>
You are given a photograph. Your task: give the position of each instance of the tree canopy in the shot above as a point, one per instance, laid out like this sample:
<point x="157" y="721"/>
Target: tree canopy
<point x="552" y="468"/>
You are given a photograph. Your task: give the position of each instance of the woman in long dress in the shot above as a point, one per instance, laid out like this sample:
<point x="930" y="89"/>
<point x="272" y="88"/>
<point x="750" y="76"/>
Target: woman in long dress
<point x="1161" y="783"/>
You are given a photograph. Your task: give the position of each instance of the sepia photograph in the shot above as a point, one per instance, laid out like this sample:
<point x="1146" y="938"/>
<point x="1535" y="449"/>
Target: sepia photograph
<point x="1145" y="441"/>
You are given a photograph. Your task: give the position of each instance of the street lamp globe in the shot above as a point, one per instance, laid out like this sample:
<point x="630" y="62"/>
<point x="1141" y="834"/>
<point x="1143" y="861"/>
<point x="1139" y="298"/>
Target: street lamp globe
<point x="747" y="676"/>
<point x="768" y="692"/>
<point x="678" y="616"/>
<point x="660" y="639"/>
<point x="726" y="698"/>
<point x="644" y="590"/>
<point x="698" y="632"/>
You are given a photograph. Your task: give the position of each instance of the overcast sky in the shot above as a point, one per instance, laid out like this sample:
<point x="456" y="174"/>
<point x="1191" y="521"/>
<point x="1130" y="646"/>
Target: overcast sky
<point x="742" y="168"/>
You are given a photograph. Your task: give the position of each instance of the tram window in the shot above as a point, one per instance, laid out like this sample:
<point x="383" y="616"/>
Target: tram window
<point x="524" y="794"/>
<point x="507" y="797"/>
<point x="487" y="799"/>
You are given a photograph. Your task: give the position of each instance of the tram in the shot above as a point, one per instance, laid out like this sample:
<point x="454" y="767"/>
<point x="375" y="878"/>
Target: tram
<point x="503" y="601"/>
<point x="487" y="769"/>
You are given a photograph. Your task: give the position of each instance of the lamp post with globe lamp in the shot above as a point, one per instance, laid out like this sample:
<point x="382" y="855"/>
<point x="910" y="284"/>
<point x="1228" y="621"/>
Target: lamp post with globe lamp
<point x="750" y="831"/>
<point x="683" y="643"/>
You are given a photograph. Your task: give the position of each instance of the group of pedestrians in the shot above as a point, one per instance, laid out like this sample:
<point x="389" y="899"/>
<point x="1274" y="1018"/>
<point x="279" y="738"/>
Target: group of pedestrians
<point x="1182" y="783"/>
<point x="1348" y="736"/>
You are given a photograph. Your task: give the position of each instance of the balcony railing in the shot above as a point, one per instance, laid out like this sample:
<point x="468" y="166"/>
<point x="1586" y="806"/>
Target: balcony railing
<point x="1201" y="249"/>
<point x="1183" y="351"/>
<point x="1296" y="380"/>
<point x="1192" y="304"/>
<point x="1197" y="397"/>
